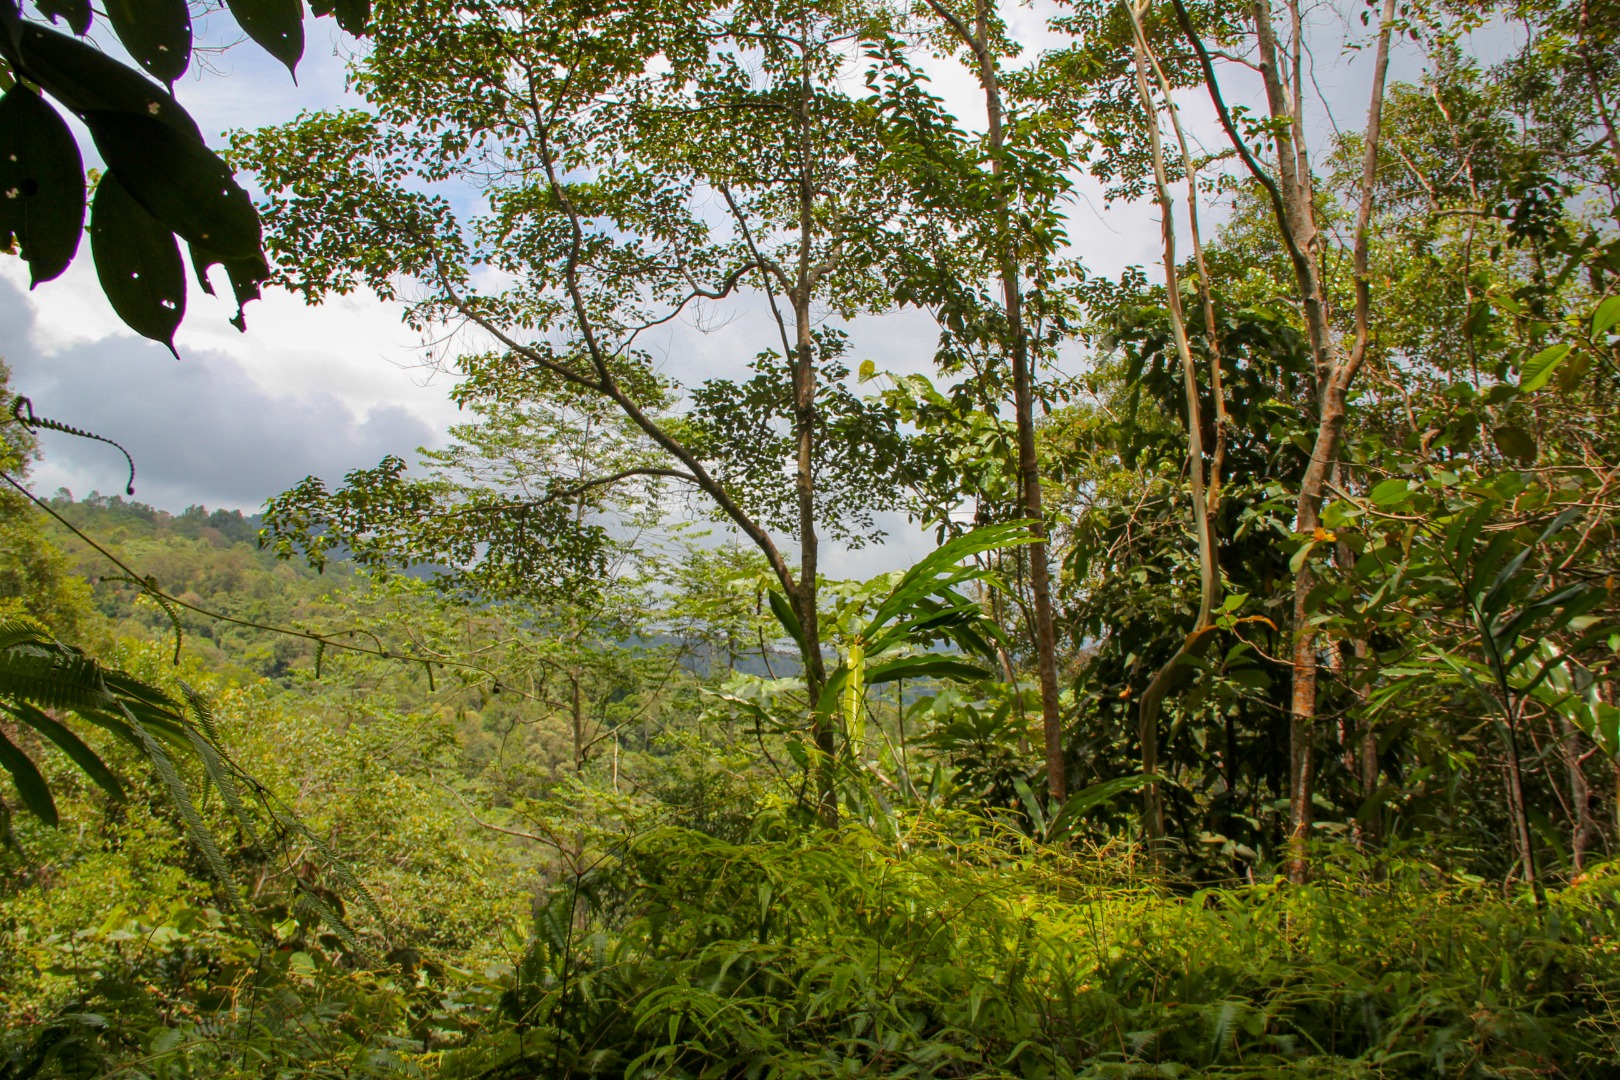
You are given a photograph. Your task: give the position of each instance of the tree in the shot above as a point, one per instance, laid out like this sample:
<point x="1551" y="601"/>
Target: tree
<point x="638" y="165"/>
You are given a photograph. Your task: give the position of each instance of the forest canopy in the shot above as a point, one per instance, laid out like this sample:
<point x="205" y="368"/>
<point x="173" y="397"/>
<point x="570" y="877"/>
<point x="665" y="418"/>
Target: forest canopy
<point x="1251" y="710"/>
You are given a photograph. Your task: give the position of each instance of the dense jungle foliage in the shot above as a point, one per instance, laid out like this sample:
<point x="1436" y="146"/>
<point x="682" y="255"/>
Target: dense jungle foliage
<point x="1253" y="715"/>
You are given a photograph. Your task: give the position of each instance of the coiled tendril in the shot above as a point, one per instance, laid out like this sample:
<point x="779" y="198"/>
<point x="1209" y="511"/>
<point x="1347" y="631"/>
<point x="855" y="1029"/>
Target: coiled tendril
<point x="22" y="410"/>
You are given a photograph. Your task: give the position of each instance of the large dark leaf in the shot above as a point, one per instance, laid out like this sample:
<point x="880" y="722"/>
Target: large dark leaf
<point x="180" y="181"/>
<point x="84" y="78"/>
<point x="1515" y="442"/>
<point x="246" y="275"/>
<point x="277" y="25"/>
<point x="351" y="15"/>
<point x="76" y="12"/>
<point x="36" y="795"/>
<point x="41" y="183"/>
<point x="138" y="263"/>
<point x="157" y="34"/>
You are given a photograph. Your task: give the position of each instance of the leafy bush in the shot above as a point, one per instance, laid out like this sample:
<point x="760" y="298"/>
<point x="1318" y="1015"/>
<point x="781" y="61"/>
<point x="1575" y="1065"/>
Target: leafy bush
<point x="801" y="955"/>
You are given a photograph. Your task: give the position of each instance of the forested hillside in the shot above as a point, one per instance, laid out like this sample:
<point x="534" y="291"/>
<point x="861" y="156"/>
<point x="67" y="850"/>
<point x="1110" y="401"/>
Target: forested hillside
<point x="1249" y="711"/>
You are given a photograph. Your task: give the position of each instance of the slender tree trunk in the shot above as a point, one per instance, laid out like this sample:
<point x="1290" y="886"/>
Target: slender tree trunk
<point x="977" y="39"/>
<point x="1209" y="570"/>
<point x="804" y="433"/>
<point x="1516" y="806"/>
<point x="1295" y="193"/>
<point x="1580" y="792"/>
<point x="1372" y="830"/>
<point x="576" y="709"/>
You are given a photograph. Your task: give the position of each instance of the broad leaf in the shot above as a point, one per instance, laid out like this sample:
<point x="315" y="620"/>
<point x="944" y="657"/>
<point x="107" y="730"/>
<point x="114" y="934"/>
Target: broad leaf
<point x="157" y="34"/>
<point x="246" y="275"/>
<point x="1515" y="443"/>
<point x="1091" y="797"/>
<point x="351" y="15"/>
<point x="41" y="184"/>
<point x="71" y="745"/>
<point x="75" y="12"/>
<point x="138" y="263"/>
<point x="85" y="79"/>
<point x="180" y="182"/>
<point x="783" y="610"/>
<point x="1605" y="317"/>
<point x="1539" y="368"/>
<point x="926" y="667"/>
<point x="276" y="25"/>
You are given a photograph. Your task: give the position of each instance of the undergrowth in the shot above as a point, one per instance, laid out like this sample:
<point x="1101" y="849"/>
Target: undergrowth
<point x="798" y="956"/>
<point x="950" y="950"/>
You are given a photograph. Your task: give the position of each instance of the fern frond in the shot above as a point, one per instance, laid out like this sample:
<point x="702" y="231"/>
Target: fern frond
<point x="51" y="675"/>
<point x="336" y="866"/>
<point x="180" y="795"/>
<point x="214" y="765"/>
<point x="312" y="900"/>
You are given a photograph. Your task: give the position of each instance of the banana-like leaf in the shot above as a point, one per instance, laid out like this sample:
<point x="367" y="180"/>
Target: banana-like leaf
<point x="926" y="667"/>
<point x="924" y="577"/>
<point x="1089" y="798"/>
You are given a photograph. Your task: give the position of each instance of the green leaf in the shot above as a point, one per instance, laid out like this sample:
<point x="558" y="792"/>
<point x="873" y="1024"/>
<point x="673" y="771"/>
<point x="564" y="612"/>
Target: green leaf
<point x="36" y="794"/>
<point x="180" y="182"/>
<point x="1391" y="492"/>
<point x="276" y="25"/>
<point x="926" y="667"/>
<point x="84" y="79"/>
<point x="1297" y="562"/>
<point x="157" y="34"/>
<point x="76" y="12"/>
<point x="1091" y="797"/>
<point x="1606" y="315"/>
<point x="1535" y="372"/>
<point x="70" y="744"/>
<point x="788" y="618"/>
<point x="138" y="263"/>
<point x="180" y="795"/>
<point x="1515" y="443"/>
<point x="351" y="15"/>
<point x="1032" y="804"/>
<point x="41" y="184"/>
<point x="924" y="576"/>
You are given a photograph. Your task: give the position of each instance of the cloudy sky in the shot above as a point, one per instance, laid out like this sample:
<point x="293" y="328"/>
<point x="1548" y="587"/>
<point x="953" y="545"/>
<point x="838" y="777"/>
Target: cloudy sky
<point x="324" y="390"/>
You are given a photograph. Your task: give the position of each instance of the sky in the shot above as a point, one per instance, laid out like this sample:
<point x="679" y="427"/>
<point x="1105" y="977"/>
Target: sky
<point x="323" y="390"/>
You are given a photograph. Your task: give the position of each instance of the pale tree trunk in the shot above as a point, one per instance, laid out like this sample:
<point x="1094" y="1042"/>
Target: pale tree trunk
<point x="977" y="39"/>
<point x="1209" y="570"/>
<point x="1582" y="827"/>
<point x="1293" y="197"/>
